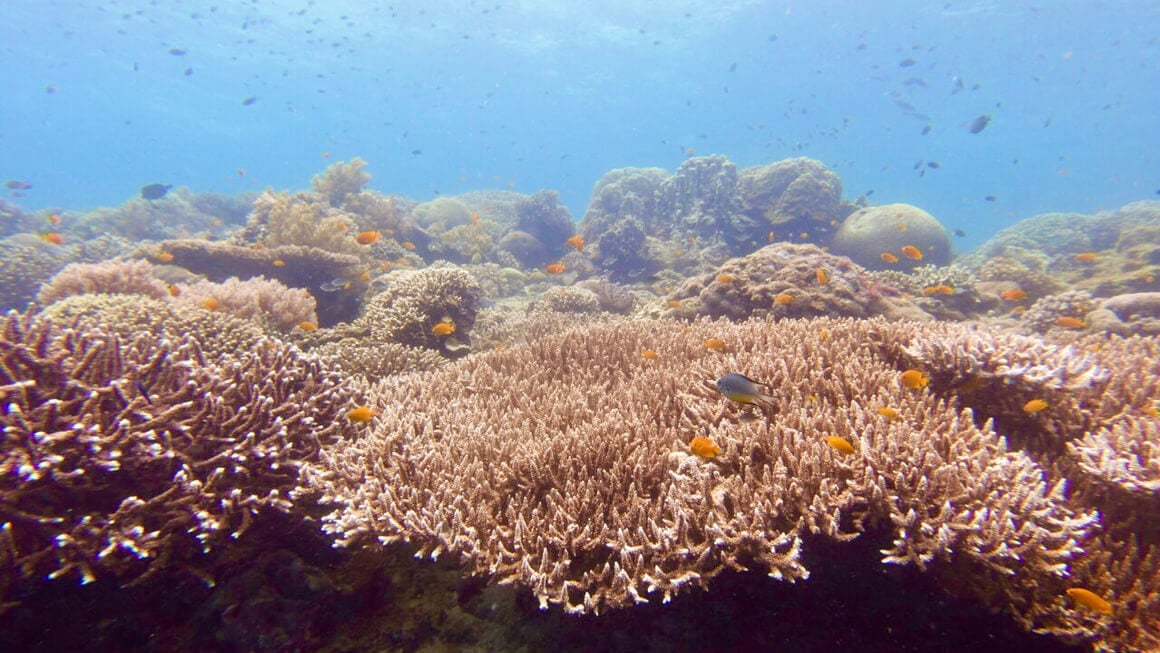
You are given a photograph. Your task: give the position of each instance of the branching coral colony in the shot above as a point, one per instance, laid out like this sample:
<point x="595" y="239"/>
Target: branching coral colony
<point x="510" y="460"/>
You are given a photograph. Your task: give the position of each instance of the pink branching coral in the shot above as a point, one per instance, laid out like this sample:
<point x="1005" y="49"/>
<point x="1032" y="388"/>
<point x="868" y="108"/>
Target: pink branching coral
<point x="121" y="458"/>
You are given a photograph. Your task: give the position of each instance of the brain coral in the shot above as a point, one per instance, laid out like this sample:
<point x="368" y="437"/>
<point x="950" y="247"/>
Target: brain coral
<point x="788" y="280"/>
<point x="869" y="232"/>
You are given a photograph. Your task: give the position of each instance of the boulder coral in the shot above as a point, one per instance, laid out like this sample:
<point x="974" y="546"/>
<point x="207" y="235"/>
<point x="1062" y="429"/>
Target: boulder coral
<point x="791" y="196"/>
<point x="870" y="232"/>
<point x="787" y="281"/>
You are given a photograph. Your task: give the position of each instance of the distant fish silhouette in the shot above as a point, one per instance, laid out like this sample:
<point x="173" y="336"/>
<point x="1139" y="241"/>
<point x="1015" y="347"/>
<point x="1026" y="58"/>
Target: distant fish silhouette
<point x="980" y="123"/>
<point x="250" y="100"/>
<point x="155" y="191"/>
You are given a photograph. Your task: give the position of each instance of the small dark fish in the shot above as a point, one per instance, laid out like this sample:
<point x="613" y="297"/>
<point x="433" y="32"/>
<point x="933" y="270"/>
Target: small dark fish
<point x="933" y="164"/>
<point x="177" y="52"/>
<point x="335" y="285"/>
<point x="869" y="192"/>
<point x="914" y="81"/>
<point x="250" y="100"/>
<point x="144" y="392"/>
<point x="906" y="63"/>
<point x="50" y="89"/>
<point x="732" y="67"/>
<point x="989" y="198"/>
<point x="926" y="130"/>
<point x="980" y="123"/>
<point x="960" y="233"/>
<point x="742" y="389"/>
<point x="188" y="72"/>
<point x="917" y="164"/>
<point x="16" y="184"/>
<point x="416" y="152"/>
<point x="155" y="191"/>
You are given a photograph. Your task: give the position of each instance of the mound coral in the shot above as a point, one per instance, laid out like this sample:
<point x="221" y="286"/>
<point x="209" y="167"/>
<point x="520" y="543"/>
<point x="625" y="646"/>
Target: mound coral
<point x="122" y="458"/>
<point x="870" y="232"/>
<point x="415" y="302"/>
<point x="266" y="302"/>
<point x="787" y="280"/>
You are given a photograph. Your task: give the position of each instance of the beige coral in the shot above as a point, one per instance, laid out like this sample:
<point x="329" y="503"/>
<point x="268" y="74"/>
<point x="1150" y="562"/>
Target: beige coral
<point x="110" y="277"/>
<point x="564" y="465"/>
<point x="341" y="179"/>
<point x="267" y="302"/>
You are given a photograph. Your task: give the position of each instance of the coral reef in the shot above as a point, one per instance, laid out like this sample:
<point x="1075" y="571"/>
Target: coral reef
<point x="339" y="180"/>
<point x="1056" y="311"/>
<point x="123" y="458"/>
<point x="545" y="219"/>
<point x="791" y="196"/>
<point x="415" y="302"/>
<point x="26" y="262"/>
<point x="266" y="302"/>
<point x="372" y="361"/>
<point x="294" y="265"/>
<point x="567" y="299"/>
<point x="441" y="214"/>
<point x="128" y="316"/>
<point x="600" y="506"/>
<point x="109" y="277"/>
<point x="870" y="232"/>
<point x="302" y="219"/>
<point x="786" y="280"/>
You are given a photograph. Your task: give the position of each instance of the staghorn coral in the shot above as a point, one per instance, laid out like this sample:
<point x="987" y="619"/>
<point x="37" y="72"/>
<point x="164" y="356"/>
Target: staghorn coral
<point x="109" y="277"/>
<point x="123" y="458"/>
<point x="782" y="280"/>
<point x="506" y="460"/>
<point x="371" y="361"/>
<point x="128" y="316"/>
<point x="414" y="302"/>
<point x="339" y="180"/>
<point x="566" y="299"/>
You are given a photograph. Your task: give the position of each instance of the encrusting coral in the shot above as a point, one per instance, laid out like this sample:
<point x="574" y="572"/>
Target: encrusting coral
<point x="124" y="457"/>
<point x="507" y="460"/>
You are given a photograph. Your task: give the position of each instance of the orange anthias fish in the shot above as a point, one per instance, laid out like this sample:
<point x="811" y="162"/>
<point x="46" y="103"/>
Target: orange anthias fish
<point x="841" y="445"/>
<point x="52" y="238"/>
<point x="210" y="304"/>
<point x="715" y="344"/>
<point x="888" y="257"/>
<point x="704" y="447"/>
<point x="1069" y="322"/>
<point x="554" y="268"/>
<point x="914" y="379"/>
<point x="889" y="413"/>
<point x="1086" y="257"/>
<point x="724" y="278"/>
<point x="408" y="244"/>
<point x="362" y="414"/>
<point x="443" y="329"/>
<point x="649" y="354"/>
<point x="822" y="276"/>
<point x="941" y="289"/>
<point x="165" y="257"/>
<point x="1034" y="406"/>
<point x="784" y="298"/>
<point x="576" y="242"/>
<point x="1089" y="600"/>
<point x="368" y="237"/>
<point x="1014" y="295"/>
<point x="308" y="326"/>
<point x="279" y="263"/>
<point x="912" y="252"/>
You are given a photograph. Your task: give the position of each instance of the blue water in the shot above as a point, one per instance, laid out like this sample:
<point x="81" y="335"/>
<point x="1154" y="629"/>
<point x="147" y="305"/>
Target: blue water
<point x="531" y="95"/>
